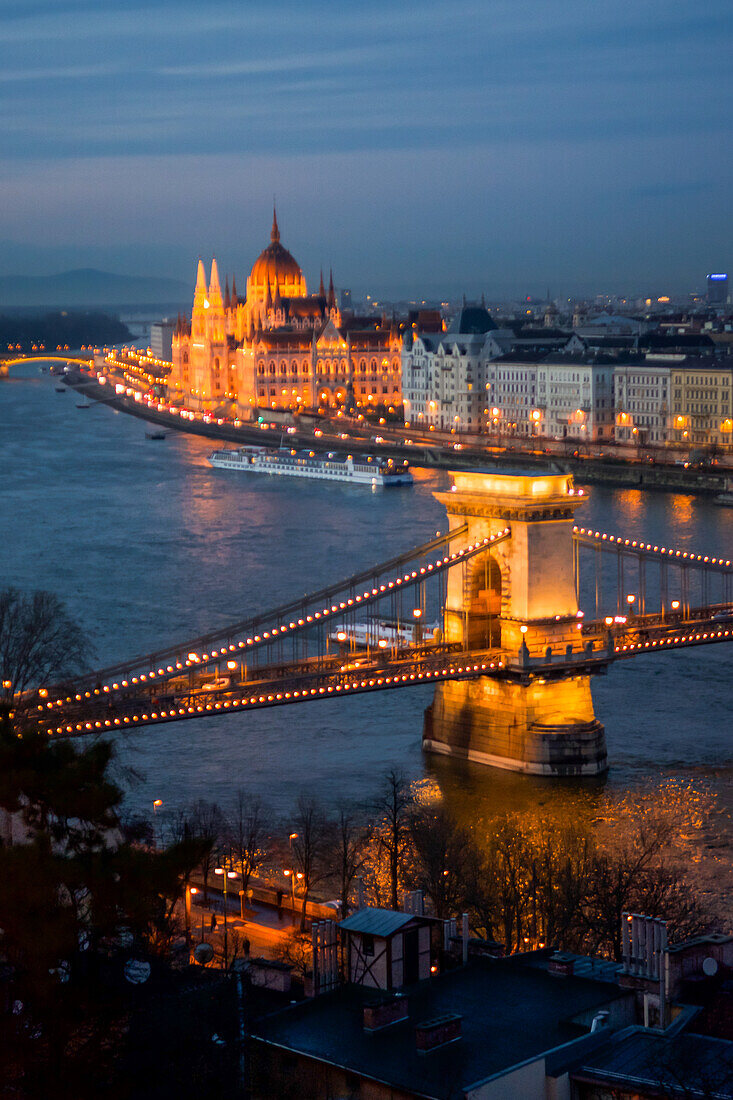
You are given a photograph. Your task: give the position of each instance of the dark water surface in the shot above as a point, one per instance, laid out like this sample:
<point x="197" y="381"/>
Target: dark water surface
<point x="147" y="544"/>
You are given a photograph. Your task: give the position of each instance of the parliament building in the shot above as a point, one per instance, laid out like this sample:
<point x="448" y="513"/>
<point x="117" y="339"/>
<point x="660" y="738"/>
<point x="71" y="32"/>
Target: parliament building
<point x="279" y="347"/>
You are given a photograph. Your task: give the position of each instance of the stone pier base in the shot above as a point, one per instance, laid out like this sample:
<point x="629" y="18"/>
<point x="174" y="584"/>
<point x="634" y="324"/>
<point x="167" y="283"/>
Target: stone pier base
<point x="538" y="728"/>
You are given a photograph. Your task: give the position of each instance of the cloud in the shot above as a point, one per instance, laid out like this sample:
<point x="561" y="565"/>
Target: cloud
<point x="393" y="130"/>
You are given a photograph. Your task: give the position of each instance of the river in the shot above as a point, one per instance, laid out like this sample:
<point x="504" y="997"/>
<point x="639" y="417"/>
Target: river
<point x="147" y="544"/>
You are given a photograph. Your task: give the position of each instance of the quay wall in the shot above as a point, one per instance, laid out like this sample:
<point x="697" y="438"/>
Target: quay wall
<point x="617" y="473"/>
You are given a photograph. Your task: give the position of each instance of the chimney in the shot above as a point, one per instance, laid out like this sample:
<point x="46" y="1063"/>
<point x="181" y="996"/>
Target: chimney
<point x="384" y="1013"/>
<point x="562" y="965"/>
<point x="438" y="1032"/>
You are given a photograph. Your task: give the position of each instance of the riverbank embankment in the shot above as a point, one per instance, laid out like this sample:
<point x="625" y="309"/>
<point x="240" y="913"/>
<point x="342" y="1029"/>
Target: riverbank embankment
<point x="614" y="472"/>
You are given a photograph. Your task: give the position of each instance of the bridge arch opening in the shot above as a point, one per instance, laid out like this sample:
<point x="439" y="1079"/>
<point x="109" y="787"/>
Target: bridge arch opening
<point x="483" y="603"/>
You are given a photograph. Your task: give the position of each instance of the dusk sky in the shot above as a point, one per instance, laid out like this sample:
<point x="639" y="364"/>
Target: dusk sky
<point x="418" y="148"/>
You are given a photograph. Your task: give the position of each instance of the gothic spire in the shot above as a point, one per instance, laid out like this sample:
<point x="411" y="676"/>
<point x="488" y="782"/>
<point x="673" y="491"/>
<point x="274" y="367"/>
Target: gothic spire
<point x="234" y="291"/>
<point x="215" y="301"/>
<point x="331" y="291"/>
<point x="201" y="277"/>
<point x="321" y="287"/>
<point x="275" y="232"/>
<point x="227" y="299"/>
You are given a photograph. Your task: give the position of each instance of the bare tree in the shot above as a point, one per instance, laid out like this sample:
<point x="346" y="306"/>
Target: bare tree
<point x="207" y="826"/>
<point x="245" y="835"/>
<point x="39" y="642"/>
<point x="346" y="853"/>
<point x="633" y="870"/>
<point x="309" y="848"/>
<point x="442" y="858"/>
<point x="392" y="828"/>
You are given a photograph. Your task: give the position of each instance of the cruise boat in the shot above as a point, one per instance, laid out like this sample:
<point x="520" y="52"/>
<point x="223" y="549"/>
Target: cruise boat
<point x="354" y="469"/>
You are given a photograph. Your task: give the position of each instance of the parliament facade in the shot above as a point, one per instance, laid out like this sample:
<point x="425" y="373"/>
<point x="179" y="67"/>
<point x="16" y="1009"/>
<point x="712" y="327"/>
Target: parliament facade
<point x="279" y="347"/>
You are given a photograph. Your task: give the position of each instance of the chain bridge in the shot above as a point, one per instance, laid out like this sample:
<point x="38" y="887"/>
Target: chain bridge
<point x="509" y="614"/>
<point x="10" y="361"/>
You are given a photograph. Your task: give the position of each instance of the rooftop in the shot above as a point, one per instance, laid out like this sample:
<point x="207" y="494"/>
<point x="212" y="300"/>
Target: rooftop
<point x="493" y="997"/>
<point x="376" y="922"/>
<point x="686" y="1066"/>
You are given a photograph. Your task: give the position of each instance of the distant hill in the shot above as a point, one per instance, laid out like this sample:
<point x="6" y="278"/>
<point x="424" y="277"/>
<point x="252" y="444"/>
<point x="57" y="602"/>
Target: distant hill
<point x="28" y="332"/>
<point x="88" y="287"/>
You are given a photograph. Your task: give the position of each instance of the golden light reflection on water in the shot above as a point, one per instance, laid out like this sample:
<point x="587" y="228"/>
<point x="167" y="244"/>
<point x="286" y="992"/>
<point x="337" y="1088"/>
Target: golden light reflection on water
<point x="682" y="511"/>
<point x="632" y="503"/>
<point x="700" y="823"/>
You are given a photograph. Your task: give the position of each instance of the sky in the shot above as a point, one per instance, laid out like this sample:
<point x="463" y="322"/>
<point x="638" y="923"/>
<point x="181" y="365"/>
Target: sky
<point x="420" y="149"/>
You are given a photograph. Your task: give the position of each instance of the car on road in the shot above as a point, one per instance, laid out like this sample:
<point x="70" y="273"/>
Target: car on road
<point x="725" y="616"/>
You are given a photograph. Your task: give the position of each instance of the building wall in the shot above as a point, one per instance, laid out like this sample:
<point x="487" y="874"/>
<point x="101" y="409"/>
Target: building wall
<point x="702" y="404"/>
<point x="642" y="403"/>
<point x="293" y="1076"/>
<point x="526" y="1082"/>
<point x="161" y="340"/>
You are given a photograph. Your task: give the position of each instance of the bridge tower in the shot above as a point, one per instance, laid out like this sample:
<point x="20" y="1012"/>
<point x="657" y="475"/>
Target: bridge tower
<point x="520" y="596"/>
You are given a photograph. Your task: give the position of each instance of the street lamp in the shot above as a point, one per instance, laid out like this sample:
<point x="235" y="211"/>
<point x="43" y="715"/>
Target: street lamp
<point x="190" y="891"/>
<point x="227" y="875"/>
<point x="291" y="875"/>
<point x="156" y="806"/>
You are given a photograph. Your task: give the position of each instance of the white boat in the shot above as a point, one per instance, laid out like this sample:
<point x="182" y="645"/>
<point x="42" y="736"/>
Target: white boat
<point x="382" y="633"/>
<point x="356" y="469"/>
<point x="726" y="497"/>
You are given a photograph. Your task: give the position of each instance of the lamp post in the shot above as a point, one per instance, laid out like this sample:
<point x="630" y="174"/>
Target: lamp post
<point x="190" y="890"/>
<point x="292" y="875"/>
<point x="227" y="875"/>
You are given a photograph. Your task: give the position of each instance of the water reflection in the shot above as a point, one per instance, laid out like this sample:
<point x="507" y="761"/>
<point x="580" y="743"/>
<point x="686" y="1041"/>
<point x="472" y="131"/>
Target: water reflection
<point x="146" y="543"/>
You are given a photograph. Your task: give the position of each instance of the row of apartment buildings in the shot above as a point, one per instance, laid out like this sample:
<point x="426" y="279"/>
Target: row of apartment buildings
<point x="475" y="377"/>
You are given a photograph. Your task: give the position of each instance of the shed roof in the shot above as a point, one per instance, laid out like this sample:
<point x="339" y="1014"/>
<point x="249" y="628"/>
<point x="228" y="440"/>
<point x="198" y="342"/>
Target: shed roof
<point x="376" y="922"/>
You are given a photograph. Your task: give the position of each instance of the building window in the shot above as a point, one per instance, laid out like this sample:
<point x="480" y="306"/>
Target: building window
<point x="367" y="943"/>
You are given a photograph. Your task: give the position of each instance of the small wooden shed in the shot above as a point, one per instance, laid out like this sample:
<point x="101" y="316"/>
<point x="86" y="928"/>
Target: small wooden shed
<point x="386" y="949"/>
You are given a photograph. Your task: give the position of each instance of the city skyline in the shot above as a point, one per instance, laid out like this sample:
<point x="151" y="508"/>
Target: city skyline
<point x="418" y="152"/>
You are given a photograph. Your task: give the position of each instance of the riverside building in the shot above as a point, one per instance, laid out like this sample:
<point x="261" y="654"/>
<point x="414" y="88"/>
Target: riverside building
<point x="702" y="401"/>
<point x="641" y="392"/>
<point x="279" y="347"/>
<point x="444" y="374"/>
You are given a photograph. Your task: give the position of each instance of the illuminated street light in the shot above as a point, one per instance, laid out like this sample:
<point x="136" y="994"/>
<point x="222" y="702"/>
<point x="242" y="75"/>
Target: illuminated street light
<point x="630" y="599"/>
<point x="227" y="875"/>
<point x="417" y="613"/>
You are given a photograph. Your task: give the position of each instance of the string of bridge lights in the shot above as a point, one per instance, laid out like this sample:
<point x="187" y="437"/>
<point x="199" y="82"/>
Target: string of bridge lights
<point x="373" y="682"/>
<point x="276" y="632"/>
<point x="680" y="640"/>
<point x="662" y="551"/>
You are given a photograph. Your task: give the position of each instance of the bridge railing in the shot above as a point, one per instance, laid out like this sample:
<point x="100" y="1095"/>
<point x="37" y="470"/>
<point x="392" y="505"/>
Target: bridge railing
<point x="313" y="615"/>
<point x="631" y="575"/>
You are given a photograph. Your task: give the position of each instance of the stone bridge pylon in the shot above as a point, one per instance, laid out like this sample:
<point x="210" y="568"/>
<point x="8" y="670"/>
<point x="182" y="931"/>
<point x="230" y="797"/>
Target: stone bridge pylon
<point x="520" y="593"/>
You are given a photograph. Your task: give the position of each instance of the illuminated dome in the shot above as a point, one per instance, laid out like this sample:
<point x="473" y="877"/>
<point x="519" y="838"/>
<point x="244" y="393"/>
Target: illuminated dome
<point x="275" y="267"/>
